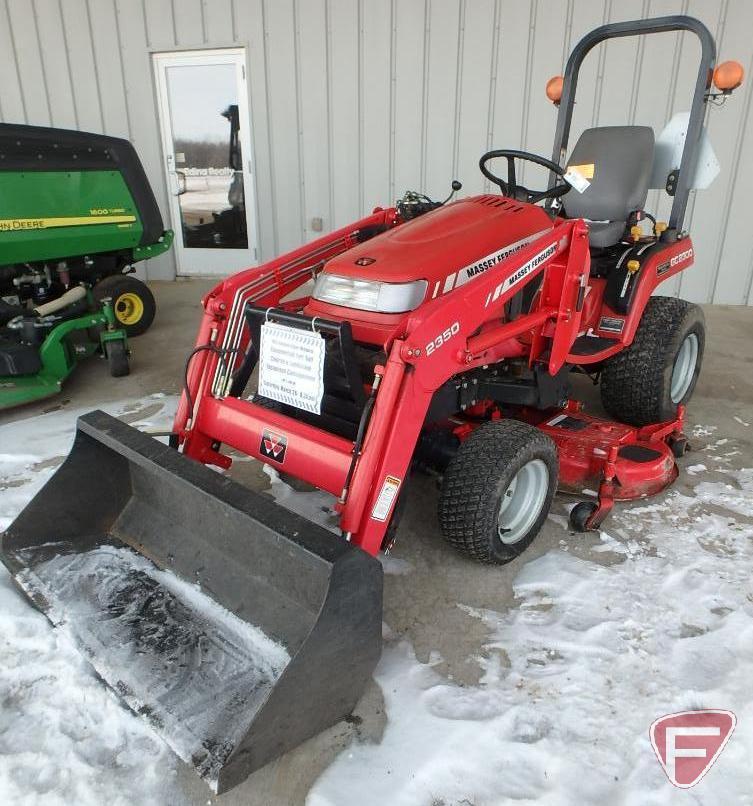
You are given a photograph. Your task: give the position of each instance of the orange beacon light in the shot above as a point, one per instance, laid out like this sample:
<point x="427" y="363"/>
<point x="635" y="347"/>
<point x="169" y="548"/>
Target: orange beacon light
<point x="727" y="76"/>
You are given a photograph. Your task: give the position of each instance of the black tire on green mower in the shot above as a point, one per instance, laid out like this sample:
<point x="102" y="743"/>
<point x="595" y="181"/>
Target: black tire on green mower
<point x="636" y="384"/>
<point x="117" y="358"/>
<point x="132" y="302"/>
<point x="487" y="473"/>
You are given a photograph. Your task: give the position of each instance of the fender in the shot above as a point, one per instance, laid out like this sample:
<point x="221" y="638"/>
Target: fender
<point x="656" y="265"/>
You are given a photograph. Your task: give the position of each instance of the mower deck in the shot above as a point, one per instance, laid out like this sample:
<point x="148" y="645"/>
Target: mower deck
<point x="68" y="343"/>
<point x="615" y="461"/>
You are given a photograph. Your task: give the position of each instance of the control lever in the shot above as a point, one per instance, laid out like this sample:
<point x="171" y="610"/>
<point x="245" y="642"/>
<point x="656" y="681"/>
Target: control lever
<point x="456" y="186"/>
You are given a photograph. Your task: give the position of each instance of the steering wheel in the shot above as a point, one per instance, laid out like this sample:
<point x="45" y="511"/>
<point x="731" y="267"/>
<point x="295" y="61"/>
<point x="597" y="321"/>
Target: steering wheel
<point x="511" y="188"/>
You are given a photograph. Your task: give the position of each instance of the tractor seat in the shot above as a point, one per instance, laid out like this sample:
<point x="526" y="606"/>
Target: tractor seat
<point x="619" y="160"/>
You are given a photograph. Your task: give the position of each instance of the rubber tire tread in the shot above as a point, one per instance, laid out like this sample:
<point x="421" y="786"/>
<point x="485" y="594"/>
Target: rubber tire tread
<point x="117" y="359"/>
<point x="117" y="284"/>
<point x="475" y="480"/>
<point x="635" y="383"/>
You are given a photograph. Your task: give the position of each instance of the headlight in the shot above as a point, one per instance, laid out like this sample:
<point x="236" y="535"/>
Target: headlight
<point x="369" y="295"/>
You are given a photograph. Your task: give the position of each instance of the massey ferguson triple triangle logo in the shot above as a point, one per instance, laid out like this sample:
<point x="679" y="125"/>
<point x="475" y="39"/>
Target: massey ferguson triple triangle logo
<point x="688" y="743"/>
<point x="273" y="446"/>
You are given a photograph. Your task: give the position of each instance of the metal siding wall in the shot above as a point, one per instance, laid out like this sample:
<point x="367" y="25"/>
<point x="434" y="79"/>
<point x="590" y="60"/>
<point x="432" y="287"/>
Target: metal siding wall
<point x="314" y="116"/>
<point x="353" y="101"/>
<point x="376" y="104"/>
<point x="141" y="114"/>
<point x="476" y="42"/>
<point x="343" y="77"/>
<point x="249" y="31"/>
<point x="706" y="208"/>
<point x="407" y="135"/>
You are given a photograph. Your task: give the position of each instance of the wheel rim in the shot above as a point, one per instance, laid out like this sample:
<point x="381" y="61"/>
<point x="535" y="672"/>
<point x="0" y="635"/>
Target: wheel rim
<point x="522" y="501"/>
<point x="683" y="371"/>
<point x="129" y="308"/>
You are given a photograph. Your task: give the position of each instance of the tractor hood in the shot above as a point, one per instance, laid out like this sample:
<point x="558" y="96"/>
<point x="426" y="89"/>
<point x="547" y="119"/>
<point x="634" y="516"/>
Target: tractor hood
<point x="439" y="243"/>
<point x="375" y="284"/>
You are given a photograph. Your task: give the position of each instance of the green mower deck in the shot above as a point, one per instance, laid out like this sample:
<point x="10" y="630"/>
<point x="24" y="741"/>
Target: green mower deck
<point x="59" y="355"/>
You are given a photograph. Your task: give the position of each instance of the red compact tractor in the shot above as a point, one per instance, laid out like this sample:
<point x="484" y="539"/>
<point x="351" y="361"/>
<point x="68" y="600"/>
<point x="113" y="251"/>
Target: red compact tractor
<point x="437" y="334"/>
<point x="449" y="332"/>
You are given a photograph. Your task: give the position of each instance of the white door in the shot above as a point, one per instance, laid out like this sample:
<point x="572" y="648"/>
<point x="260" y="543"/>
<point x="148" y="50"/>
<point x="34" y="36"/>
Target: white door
<point x="206" y="143"/>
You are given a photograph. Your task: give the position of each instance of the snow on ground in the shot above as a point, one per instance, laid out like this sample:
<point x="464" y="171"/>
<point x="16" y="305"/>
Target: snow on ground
<point x="657" y="617"/>
<point x="64" y="737"/>
<point x="32" y="448"/>
<point x="575" y="674"/>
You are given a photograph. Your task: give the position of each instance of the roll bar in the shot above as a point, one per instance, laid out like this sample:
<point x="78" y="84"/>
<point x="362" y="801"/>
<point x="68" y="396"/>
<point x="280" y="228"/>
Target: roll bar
<point x="697" y="110"/>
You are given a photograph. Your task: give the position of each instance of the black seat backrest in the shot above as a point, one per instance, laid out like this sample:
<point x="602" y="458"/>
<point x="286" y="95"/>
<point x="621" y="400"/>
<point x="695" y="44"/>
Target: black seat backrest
<point x="619" y="160"/>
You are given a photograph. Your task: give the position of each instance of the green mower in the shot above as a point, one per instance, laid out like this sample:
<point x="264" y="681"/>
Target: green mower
<point x="76" y="214"/>
<point x="37" y="353"/>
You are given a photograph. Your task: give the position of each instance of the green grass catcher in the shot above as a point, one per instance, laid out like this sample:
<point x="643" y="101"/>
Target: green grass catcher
<point x="76" y="213"/>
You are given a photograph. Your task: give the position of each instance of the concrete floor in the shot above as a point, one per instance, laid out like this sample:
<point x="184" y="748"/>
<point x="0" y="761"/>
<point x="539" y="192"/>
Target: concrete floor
<point x="421" y="606"/>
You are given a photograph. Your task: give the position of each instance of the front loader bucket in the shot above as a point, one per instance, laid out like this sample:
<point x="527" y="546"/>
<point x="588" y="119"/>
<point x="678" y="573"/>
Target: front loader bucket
<point x="237" y="628"/>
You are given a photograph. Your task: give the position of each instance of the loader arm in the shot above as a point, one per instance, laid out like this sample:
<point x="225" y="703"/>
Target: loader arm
<point x="221" y="338"/>
<point x="444" y="338"/>
<point x="447" y="338"/>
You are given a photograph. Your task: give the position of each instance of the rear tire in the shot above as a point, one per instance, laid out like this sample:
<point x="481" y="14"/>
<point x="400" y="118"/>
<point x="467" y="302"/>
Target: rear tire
<point x="646" y="382"/>
<point x="497" y="490"/>
<point x="132" y="302"/>
<point x="117" y="358"/>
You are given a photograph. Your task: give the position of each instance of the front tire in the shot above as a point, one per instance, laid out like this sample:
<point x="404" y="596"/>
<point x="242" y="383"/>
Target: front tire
<point x="132" y="302"/>
<point x="497" y="490"/>
<point x="646" y="382"/>
<point x="117" y="358"/>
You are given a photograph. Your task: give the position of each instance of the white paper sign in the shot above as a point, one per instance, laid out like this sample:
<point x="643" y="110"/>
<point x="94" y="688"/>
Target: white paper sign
<point x="291" y="366"/>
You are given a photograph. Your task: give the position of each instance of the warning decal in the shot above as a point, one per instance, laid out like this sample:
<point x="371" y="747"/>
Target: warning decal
<point x="386" y="498"/>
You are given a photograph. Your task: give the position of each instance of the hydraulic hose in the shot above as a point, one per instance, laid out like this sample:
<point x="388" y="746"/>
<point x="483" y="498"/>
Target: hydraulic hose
<point x="70" y="296"/>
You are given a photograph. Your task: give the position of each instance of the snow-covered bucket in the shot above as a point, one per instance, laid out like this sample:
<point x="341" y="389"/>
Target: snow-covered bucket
<point x="237" y="628"/>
